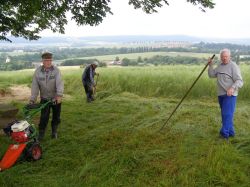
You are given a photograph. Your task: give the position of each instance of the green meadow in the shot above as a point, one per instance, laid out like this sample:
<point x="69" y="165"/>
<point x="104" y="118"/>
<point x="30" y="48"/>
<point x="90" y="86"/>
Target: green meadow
<point x="115" y="141"/>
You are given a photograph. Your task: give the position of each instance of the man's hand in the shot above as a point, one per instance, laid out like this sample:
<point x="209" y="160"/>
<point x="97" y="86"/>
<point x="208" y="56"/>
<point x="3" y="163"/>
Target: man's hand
<point x="210" y="61"/>
<point x="31" y="102"/>
<point x="230" y="91"/>
<point x="58" y="99"/>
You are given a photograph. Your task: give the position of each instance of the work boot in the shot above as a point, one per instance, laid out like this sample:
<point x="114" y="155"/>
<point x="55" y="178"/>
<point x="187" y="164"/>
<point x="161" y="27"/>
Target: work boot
<point x="40" y="136"/>
<point x="54" y="127"/>
<point x="54" y="136"/>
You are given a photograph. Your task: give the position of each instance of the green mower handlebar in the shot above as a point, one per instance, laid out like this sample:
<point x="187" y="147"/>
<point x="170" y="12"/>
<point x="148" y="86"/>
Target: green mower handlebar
<point x="30" y="110"/>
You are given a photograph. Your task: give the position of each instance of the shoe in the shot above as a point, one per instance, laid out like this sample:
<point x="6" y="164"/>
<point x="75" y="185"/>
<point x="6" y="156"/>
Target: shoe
<point x="40" y="136"/>
<point x="223" y="138"/>
<point x="54" y="136"/>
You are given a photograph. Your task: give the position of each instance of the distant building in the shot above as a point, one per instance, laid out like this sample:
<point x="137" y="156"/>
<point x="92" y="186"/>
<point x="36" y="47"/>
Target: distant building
<point x="119" y="62"/>
<point x="36" y="64"/>
<point x="18" y="51"/>
<point x="7" y="60"/>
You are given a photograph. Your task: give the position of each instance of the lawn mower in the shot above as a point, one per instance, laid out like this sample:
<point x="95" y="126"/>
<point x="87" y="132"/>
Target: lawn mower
<point x="24" y="136"/>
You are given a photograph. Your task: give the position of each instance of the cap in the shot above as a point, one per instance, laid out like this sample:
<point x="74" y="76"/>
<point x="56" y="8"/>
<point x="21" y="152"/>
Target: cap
<point x="95" y="63"/>
<point x="47" y="55"/>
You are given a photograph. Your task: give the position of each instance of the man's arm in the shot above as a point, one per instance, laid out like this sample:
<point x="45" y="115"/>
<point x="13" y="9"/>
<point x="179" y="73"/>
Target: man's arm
<point x="237" y="78"/>
<point x="91" y="76"/>
<point x="34" y="89"/>
<point x="59" y="87"/>
<point x="211" y="71"/>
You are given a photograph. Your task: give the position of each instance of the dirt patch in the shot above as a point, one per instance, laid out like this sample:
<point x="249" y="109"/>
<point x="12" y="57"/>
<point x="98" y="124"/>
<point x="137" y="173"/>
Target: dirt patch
<point x="4" y="92"/>
<point x="20" y="93"/>
<point x="16" y="93"/>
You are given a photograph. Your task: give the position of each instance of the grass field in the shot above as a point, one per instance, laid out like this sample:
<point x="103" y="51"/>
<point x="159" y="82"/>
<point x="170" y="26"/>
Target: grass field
<point x="115" y="141"/>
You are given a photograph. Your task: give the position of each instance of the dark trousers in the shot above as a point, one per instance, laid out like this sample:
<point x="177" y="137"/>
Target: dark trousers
<point x="227" y="105"/>
<point x="44" y="118"/>
<point x="89" y="91"/>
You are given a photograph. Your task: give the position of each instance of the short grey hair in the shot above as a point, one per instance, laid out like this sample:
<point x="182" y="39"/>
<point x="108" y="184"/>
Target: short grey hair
<point x="225" y="51"/>
<point x="95" y="63"/>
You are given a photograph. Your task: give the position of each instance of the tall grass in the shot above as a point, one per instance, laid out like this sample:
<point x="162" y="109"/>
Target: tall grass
<point x="162" y="81"/>
<point x="8" y="78"/>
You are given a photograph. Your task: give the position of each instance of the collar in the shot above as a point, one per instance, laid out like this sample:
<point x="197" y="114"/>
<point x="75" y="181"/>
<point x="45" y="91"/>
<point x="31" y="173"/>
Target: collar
<point x="47" y="70"/>
<point x="226" y="64"/>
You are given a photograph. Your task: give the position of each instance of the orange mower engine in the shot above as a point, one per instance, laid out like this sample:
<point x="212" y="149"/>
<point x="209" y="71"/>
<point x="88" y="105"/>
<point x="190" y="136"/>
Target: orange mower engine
<point x="26" y="144"/>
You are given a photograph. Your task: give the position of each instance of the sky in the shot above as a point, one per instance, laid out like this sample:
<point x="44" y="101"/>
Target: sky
<point x="229" y="19"/>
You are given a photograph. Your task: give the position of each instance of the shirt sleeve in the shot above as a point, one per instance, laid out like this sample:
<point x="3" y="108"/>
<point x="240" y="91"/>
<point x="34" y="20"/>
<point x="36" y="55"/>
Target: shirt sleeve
<point x="212" y="73"/>
<point x="91" y="74"/>
<point x="237" y="78"/>
<point x="34" y="88"/>
<point x="59" y="84"/>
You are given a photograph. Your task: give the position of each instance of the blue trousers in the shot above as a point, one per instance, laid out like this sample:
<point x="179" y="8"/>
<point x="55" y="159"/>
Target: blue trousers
<point x="227" y="106"/>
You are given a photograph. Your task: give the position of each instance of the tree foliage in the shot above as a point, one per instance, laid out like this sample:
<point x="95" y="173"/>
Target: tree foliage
<point x="27" y="18"/>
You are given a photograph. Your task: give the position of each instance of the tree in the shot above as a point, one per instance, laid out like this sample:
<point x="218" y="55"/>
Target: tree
<point x="125" y="62"/>
<point x="139" y="59"/>
<point x="27" y="18"/>
<point x="117" y="58"/>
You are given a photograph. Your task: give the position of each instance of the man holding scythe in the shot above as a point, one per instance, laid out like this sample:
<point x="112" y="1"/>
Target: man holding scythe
<point x="229" y="80"/>
<point x="88" y="80"/>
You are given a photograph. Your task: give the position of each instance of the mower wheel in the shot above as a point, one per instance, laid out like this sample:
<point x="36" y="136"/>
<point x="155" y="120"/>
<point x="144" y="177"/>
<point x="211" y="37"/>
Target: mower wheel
<point x="34" y="152"/>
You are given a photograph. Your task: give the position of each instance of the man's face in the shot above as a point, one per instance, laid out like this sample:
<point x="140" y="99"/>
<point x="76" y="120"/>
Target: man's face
<point x="225" y="57"/>
<point x="47" y="63"/>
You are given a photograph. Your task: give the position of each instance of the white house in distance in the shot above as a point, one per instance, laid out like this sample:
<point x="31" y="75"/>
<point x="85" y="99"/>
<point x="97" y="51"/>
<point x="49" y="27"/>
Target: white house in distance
<point x="118" y="63"/>
<point x="7" y="60"/>
<point x="36" y="64"/>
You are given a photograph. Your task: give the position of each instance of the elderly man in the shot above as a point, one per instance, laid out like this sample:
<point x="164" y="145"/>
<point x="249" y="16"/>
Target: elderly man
<point x="229" y="80"/>
<point x="48" y="81"/>
<point x="88" y="80"/>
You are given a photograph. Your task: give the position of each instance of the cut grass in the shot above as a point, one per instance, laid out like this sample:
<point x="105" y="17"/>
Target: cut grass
<point x="115" y="142"/>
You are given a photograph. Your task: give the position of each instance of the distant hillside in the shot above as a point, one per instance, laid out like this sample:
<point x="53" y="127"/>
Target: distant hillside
<point x="114" y="40"/>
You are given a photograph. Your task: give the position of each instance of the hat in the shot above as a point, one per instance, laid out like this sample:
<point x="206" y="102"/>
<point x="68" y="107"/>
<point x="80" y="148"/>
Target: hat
<point x="47" y="55"/>
<point x="95" y="63"/>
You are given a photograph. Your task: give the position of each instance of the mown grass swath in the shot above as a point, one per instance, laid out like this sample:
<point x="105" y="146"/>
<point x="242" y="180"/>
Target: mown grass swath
<point x="113" y="141"/>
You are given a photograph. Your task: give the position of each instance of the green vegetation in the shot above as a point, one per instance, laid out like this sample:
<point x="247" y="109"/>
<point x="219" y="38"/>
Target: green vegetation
<point x="132" y="56"/>
<point x="27" y="19"/>
<point x="161" y="81"/>
<point x="16" y="77"/>
<point x="115" y="140"/>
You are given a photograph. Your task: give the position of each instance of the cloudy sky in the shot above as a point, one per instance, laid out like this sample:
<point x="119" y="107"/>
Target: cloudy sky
<point x="229" y="19"/>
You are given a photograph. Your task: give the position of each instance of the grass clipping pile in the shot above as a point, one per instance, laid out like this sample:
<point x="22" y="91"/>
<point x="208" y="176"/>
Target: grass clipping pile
<point x="7" y="96"/>
<point x="15" y="93"/>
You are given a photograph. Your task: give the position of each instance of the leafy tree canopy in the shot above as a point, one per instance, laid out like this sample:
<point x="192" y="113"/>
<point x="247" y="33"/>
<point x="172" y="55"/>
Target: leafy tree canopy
<point x="27" y="18"/>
